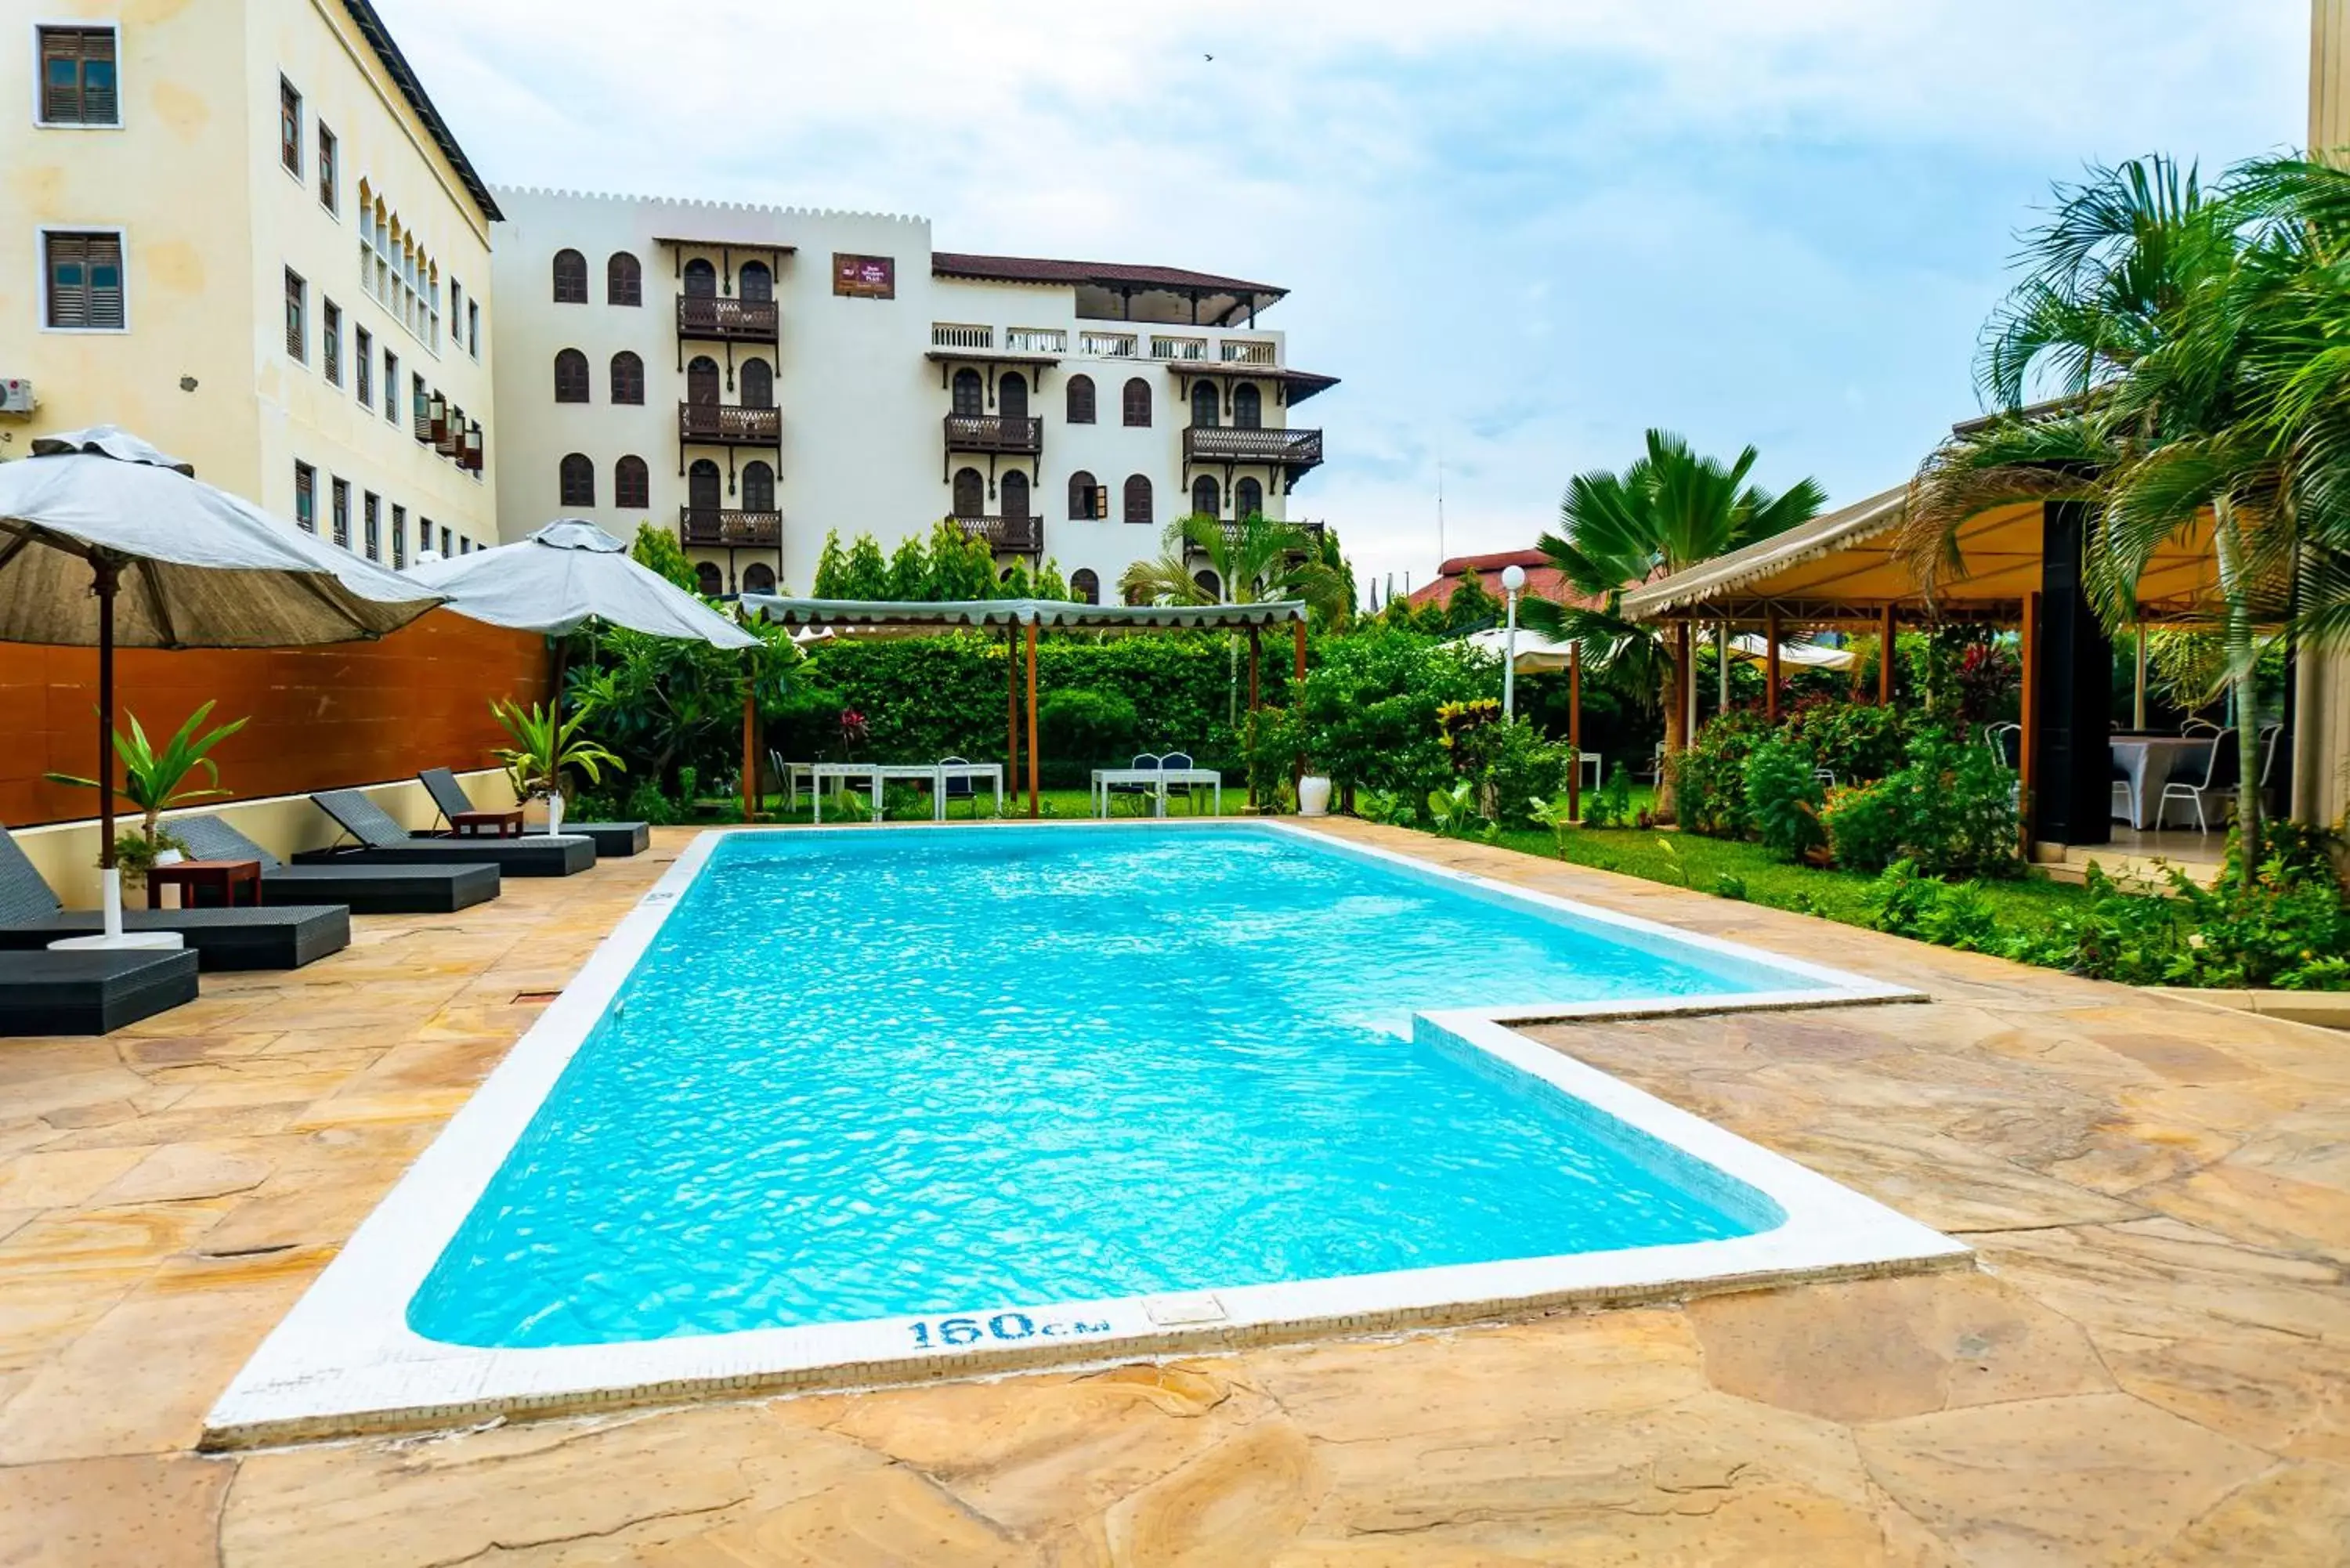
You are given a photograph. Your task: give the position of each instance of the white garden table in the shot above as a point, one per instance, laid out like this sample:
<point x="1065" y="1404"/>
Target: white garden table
<point x="876" y="777"/>
<point x="819" y="773"/>
<point x="1103" y="778"/>
<point x="2150" y="761"/>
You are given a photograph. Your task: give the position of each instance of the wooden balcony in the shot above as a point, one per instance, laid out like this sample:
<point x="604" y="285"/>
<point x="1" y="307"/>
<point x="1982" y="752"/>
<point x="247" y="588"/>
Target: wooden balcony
<point x="726" y="424"/>
<point x="720" y="526"/>
<point x="726" y="320"/>
<point x="1294" y="449"/>
<point x="1006" y="535"/>
<point x="1313" y="531"/>
<point x="989" y="433"/>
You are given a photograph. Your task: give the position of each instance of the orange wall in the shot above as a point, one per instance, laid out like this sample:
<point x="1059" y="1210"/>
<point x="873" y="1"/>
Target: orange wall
<point x="347" y="713"/>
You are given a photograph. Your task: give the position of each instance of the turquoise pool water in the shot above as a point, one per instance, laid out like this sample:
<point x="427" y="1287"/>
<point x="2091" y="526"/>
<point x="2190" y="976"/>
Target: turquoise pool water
<point x="883" y="1072"/>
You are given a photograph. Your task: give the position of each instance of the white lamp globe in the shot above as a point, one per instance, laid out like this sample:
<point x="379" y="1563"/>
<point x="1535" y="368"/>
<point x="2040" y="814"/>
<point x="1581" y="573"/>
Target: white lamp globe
<point x="1514" y="577"/>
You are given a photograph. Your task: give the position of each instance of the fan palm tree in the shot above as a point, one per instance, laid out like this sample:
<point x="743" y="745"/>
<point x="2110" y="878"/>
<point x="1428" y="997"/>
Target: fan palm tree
<point x="1670" y="509"/>
<point x="2194" y="337"/>
<point x="1256" y="561"/>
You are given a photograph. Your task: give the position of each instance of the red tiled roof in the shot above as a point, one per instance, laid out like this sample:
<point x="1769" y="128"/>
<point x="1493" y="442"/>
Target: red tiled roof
<point x="1543" y="581"/>
<point x="1107" y="275"/>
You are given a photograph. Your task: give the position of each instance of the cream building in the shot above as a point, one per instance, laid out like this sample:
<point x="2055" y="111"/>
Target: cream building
<point x="240" y="228"/>
<point x="754" y="378"/>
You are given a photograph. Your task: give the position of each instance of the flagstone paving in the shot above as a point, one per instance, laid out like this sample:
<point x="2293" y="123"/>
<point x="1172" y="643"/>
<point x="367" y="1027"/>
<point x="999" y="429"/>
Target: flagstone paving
<point x="2151" y="1367"/>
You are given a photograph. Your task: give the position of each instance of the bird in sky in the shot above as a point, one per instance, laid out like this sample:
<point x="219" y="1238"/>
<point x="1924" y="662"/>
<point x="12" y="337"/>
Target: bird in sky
<point x="1210" y="59"/>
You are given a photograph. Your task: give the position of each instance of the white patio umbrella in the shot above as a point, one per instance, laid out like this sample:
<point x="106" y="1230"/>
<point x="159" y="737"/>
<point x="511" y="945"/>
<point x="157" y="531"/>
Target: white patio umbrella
<point x="564" y="575"/>
<point x="1537" y="654"/>
<point x="104" y="540"/>
<point x="1809" y="655"/>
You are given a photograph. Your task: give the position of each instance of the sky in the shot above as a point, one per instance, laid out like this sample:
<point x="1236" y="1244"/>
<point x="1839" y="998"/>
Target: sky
<point x="1521" y="232"/>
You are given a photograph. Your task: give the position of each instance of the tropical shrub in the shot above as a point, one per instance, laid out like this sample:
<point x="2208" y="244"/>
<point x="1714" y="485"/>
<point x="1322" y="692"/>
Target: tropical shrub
<point x="1610" y="806"/>
<point x="1709" y="778"/>
<point x="1855" y="740"/>
<point x="1951" y="808"/>
<point x="1085" y="725"/>
<point x="1783" y="798"/>
<point x="1863" y="823"/>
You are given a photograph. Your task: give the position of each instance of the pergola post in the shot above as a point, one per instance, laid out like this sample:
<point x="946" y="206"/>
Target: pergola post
<point x="2075" y="706"/>
<point x="1885" y="656"/>
<point x="749" y="743"/>
<point x="1574" y="731"/>
<point x="2027" y="771"/>
<point x="1033" y="812"/>
<point x="1722" y="667"/>
<point x="1771" y="664"/>
<point x="1297" y="704"/>
<point x="1011" y="706"/>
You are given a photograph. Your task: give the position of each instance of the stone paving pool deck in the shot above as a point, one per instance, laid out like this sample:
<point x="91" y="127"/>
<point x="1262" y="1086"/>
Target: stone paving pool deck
<point x="2152" y="1365"/>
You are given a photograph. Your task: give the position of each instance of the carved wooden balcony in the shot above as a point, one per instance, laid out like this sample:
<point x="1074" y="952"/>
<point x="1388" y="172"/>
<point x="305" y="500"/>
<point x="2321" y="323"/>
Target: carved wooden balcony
<point x="991" y="432"/>
<point x="1009" y="535"/>
<point x="1294" y="449"/>
<point x="727" y="424"/>
<point x="726" y="320"/>
<point x="725" y="526"/>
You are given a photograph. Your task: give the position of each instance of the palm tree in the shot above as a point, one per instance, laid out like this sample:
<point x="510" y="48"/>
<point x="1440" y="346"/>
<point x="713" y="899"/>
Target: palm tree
<point x="1670" y="509"/>
<point x="2193" y="336"/>
<point x="1254" y="561"/>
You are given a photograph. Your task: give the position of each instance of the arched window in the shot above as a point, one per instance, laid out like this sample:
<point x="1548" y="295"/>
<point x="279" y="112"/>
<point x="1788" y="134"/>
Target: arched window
<point x="701" y="485"/>
<point x="1084" y="495"/>
<point x="627" y="378"/>
<point x="701" y="280"/>
<point x="1203" y="405"/>
<point x="1085" y="586"/>
<point x="757" y="283"/>
<point x="702" y="379"/>
<point x="1015" y="485"/>
<point x="1248" y="499"/>
<point x="1138" y="498"/>
<point x="970" y="493"/>
<point x="757" y="380"/>
<point x="632" y="483"/>
<point x="1081" y="403"/>
<point x="1138" y="403"/>
<point x="1012" y="396"/>
<point x="579" y="481"/>
<point x="624" y="280"/>
<point x="1207" y="581"/>
<point x="1248" y="407"/>
<point x="570" y="376"/>
<point x="758" y="486"/>
<point x="968" y="402"/>
<point x="570" y="278"/>
<point x="1206" y="498"/>
<point x="708" y="579"/>
<point x="758" y="577"/>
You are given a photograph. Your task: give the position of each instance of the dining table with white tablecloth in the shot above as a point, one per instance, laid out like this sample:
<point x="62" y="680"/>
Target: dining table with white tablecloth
<point x="2152" y="761"/>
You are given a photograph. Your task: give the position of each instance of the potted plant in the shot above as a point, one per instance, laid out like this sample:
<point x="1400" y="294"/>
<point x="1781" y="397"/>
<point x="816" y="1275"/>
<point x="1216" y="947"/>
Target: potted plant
<point x="1314" y="795"/>
<point x="155" y="779"/>
<point x="543" y="746"/>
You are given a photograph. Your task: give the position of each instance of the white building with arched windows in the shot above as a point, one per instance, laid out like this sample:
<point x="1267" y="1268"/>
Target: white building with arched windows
<point x="755" y="378"/>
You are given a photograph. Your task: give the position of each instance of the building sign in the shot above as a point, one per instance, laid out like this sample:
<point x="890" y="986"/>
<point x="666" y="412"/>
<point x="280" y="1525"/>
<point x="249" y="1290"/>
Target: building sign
<point x="865" y="277"/>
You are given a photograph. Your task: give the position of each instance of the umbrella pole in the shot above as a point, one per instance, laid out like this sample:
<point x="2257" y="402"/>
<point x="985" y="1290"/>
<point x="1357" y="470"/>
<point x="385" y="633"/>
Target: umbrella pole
<point x="110" y="873"/>
<point x="1032" y="719"/>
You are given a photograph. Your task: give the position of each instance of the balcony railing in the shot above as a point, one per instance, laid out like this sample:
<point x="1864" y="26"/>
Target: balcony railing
<point x="993" y="432"/>
<point x="1223" y="443"/>
<point x="1184" y="348"/>
<point x="1313" y="531"/>
<point x="725" y="424"/>
<point x="1107" y="345"/>
<point x="726" y="320"/>
<point x="961" y="334"/>
<point x="1035" y="340"/>
<point x="1011" y="536"/>
<point x="720" y="526"/>
<point x="1245" y="351"/>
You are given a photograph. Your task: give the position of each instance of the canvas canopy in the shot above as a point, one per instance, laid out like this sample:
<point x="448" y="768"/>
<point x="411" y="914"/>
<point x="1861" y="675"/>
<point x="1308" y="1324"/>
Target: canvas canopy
<point x="842" y="614"/>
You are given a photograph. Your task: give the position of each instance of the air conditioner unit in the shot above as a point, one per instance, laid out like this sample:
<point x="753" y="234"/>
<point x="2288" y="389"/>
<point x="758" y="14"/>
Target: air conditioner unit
<point x="16" y="396"/>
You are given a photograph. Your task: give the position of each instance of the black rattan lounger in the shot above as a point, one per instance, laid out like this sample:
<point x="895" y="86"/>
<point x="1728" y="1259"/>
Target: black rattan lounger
<point x="284" y="936"/>
<point x="366" y="889"/>
<point x="91" y="993"/>
<point x="383" y="842"/>
<point x="613" y="839"/>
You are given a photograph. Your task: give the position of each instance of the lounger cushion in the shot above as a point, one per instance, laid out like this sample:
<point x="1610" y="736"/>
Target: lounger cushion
<point x="419" y="889"/>
<point x="614" y="840"/>
<point x="284" y="936"/>
<point x="84" y="992"/>
<point x="537" y="855"/>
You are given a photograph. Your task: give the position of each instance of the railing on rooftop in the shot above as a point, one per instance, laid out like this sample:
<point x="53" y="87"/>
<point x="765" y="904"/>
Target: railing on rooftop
<point x="1107" y="345"/>
<point x="1182" y="348"/>
<point x="1245" y="351"/>
<point x="1035" y="340"/>
<point x="961" y="334"/>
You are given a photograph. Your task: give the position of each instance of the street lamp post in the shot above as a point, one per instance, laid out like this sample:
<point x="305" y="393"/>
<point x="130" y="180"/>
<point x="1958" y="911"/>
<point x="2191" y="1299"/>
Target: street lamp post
<point x="1513" y="581"/>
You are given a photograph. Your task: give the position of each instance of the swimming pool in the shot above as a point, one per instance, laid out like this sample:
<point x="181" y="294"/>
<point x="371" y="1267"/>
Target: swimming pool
<point x="873" y="1101"/>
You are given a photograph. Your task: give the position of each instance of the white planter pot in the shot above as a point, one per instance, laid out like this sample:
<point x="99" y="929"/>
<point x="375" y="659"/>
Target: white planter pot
<point x="1312" y="795"/>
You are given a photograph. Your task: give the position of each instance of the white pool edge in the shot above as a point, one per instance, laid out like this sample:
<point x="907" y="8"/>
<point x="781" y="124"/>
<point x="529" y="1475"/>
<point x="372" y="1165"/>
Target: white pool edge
<point x="343" y="1360"/>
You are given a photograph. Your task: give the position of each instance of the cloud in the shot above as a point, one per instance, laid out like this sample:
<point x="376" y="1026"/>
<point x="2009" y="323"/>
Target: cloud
<point x="1520" y="230"/>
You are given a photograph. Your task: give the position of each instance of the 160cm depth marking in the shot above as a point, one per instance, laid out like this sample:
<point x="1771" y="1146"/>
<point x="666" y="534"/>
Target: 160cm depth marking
<point x="955" y="1332"/>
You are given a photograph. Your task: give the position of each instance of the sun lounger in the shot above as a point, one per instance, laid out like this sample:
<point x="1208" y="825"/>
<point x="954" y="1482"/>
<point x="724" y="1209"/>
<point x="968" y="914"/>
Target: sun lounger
<point x="91" y="991"/>
<point x="383" y="842"/>
<point x="421" y="890"/>
<point x="613" y="839"/>
<point x="283" y="936"/>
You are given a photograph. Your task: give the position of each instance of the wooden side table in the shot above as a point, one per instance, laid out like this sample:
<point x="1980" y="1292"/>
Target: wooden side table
<point x="506" y="823"/>
<point x="195" y="878"/>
